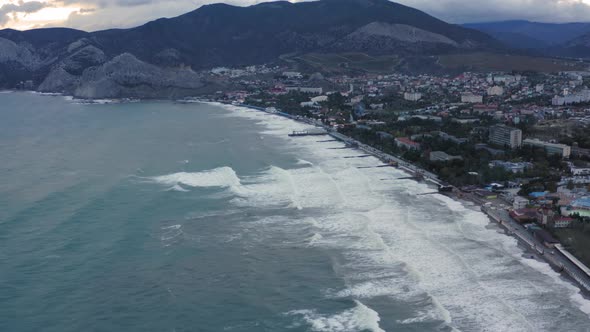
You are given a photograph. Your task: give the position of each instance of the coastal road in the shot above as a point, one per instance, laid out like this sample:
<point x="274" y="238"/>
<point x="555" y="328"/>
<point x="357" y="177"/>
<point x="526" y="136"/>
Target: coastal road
<point x="552" y="256"/>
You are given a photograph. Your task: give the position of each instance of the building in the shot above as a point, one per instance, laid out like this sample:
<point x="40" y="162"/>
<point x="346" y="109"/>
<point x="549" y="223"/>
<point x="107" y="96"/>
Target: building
<point x="496" y="91"/>
<point x="506" y="136"/>
<point x="563" y="222"/>
<point x="485" y="109"/>
<point x="546" y="217"/>
<point x="407" y="143"/>
<point x="493" y="152"/>
<point x="442" y="156"/>
<point x="568" y="99"/>
<point x="511" y="167"/>
<point x="317" y="91"/>
<point x="581" y="204"/>
<point x="471" y="98"/>
<point x="520" y="202"/>
<point x="579" y="152"/>
<point x="507" y="79"/>
<point x="292" y="74"/>
<point x="524" y="215"/>
<point x="579" y="171"/>
<point x="454" y="139"/>
<point x="559" y="149"/>
<point x="319" y="99"/>
<point x="412" y="96"/>
<point x="308" y="104"/>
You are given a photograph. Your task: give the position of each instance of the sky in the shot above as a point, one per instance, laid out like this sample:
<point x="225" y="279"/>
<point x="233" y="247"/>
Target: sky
<point x="91" y="15"/>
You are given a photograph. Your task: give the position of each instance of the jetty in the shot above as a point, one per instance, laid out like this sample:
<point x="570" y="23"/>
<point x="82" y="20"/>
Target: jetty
<point x="317" y="132"/>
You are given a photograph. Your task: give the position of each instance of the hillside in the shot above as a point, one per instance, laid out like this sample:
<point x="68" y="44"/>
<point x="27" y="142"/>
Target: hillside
<point x="225" y="35"/>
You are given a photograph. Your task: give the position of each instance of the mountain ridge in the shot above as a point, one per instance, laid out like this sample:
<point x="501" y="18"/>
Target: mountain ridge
<point x="225" y="35"/>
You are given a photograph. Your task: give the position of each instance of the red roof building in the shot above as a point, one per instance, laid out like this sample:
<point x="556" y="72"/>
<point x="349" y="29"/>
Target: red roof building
<point x="407" y="143"/>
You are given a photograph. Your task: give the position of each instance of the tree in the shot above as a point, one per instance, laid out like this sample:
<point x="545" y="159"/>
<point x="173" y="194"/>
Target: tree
<point x="570" y="185"/>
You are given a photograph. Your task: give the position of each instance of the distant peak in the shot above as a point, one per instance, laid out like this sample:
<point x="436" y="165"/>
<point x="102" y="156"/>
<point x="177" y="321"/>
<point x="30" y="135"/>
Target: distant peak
<point x="274" y="4"/>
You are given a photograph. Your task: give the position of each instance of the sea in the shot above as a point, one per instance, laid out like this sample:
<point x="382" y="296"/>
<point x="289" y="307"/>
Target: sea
<point x="164" y="216"/>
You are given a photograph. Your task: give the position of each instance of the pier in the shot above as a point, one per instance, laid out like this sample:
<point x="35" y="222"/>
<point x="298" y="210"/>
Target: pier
<point x="361" y="156"/>
<point x="308" y="133"/>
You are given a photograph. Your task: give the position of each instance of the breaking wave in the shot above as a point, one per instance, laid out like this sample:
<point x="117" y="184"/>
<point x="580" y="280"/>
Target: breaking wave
<point x="359" y="318"/>
<point x="223" y="177"/>
<point x="431" y="250"/>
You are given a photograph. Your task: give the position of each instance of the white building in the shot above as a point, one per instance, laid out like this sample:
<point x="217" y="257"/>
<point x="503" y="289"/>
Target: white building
<point x="412" y="96"/>
<point x="308" y="104"/>
<point x="292" y="74"/>
<point x="319" y="99"/>
<point x="317" y="91"/>
<point x="471" y="98"/>
<point x="568" y="99"/>
<point x="551" y="148"/>
<point x="506" y="136"/>
<point x="579" y="171"/>
<point x="520" y="203"/>
<point x="496" y="91"/>
<point x="508" y="79"/>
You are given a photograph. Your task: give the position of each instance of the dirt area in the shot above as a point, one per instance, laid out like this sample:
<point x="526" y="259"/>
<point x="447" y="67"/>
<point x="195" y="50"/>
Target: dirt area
<point x="504" y="62"/>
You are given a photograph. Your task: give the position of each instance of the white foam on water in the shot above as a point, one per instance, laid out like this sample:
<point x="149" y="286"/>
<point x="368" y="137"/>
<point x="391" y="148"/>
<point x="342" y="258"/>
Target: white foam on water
<point x="304" y="162"/>
<point x="172" y="227"/>
<point x="315" y="238"/>
<point x="416" y="249"/>
<point x="359" y="318"/>
<point x="178" y="188"/>
<point x="171" y="235"/>
<point x="223" y="177"/>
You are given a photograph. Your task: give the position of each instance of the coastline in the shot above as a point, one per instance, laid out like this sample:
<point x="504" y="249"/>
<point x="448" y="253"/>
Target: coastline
<point x="533" y="248"/>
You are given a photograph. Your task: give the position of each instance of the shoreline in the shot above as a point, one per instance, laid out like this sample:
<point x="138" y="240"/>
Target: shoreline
<point x="531" y="246"/>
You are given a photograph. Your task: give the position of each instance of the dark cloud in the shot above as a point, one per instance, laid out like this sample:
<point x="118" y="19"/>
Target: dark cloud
<point x="100" y="14"/>
<point x="131" y="3"/>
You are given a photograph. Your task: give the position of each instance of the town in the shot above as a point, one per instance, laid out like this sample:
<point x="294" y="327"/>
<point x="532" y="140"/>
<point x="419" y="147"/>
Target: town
<point x="517" y="140"/>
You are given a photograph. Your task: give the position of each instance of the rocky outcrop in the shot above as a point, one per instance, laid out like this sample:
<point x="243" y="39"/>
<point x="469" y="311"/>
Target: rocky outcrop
<point x="83" y="58"/>
<point x="59" y="80"/>
<point x="11" y="52"/>
<point x="401" y="32"/>
<point x="126" y="76"/>
<point x="385" y="38"/>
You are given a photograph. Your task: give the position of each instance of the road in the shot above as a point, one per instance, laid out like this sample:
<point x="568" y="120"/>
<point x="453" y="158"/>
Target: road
<point x="552" y="256"/>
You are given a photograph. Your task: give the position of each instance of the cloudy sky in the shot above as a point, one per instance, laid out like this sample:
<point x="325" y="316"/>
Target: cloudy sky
<point x="100" y="14"/>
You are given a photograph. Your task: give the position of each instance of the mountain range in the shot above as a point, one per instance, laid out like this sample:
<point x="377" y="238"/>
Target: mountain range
<point x="124" y="62"/>
<point x="554" y="39"/>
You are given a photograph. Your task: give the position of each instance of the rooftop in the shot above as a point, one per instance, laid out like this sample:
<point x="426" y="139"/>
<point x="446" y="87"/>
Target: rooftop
<point x="582" y="202"/>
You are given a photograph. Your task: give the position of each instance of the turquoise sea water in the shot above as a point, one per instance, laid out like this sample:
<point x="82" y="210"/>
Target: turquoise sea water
<point x="159" y="216"/>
